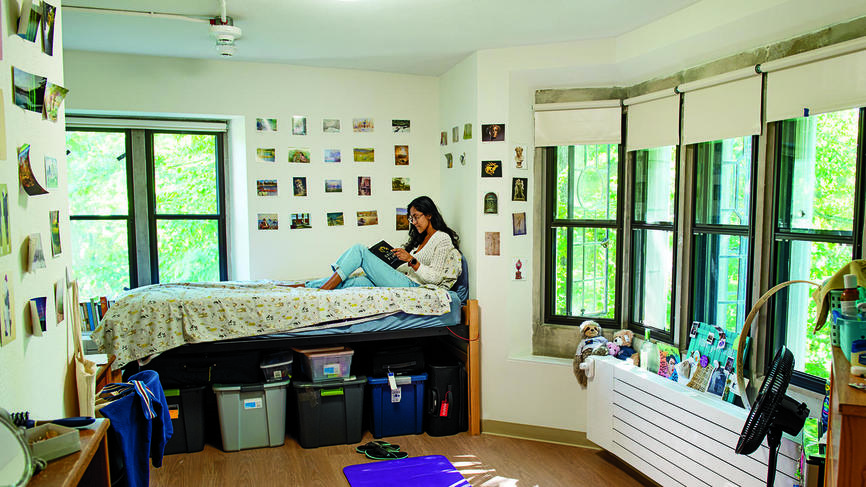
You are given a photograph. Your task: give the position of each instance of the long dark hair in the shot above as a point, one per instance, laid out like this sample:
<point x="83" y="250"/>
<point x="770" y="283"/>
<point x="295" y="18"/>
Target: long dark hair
<point x="426" y="206"/>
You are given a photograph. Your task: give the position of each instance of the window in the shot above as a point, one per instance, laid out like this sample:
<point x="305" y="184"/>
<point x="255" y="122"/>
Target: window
<point x="146" y="206"/>
<point x="722" y="231"/>
<point x="818" y="220"/>
<point x="582" y="225"/>
<point x="653" y="236"/>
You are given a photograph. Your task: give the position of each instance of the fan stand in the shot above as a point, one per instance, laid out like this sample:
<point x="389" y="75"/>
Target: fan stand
<point x="774" y="439"/>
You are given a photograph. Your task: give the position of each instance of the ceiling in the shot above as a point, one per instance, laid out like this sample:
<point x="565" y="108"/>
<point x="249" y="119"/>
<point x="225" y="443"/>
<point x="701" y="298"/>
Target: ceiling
<point x="425" y="37"/>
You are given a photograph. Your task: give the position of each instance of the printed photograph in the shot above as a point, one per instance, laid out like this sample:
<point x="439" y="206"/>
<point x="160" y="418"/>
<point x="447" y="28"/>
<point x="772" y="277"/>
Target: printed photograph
<point x="463" y="159"/>
<point x="28" y="22"/>
<point x="299" y="186"/>
<point x="362" y="124"/>
<point x="520" y="156"/>
<point x="455" y="134"/>
<point x="443" y="138"/>
<point x="518" y="189"/>
<point x="5" y="236"/>
<point x="54" y="95"/>
<point x="491" y="204"/>
<point x="266" y="124"/>
<point x="693" y="331"/>
<point x="711" y="338"/>
<point x="266" y="155"/>
<point x="491" y="169"/>
<point x="494" y="132"/>
<point x="266" y="187"/>
<point x="364" y="186"/>
<point x="467" y="131"/>
<point x="333" y="185"/>
<point x="25" y="173"/>
<point x="268" y="221"/>
<point x="7" y="326"/>
<point x="400" y="184"/>
<point x="332" y="155"/>
<point x="331" y="125"/>
<point x="299" y="155"/>
<point x="366" y="218"/>
<point x="400" y="126"/>
<point x="29" y="90"/>
<point x="51" y="172"/>
<point x="491" y="243"/>
<point x="723" y="340"/>
<point x="40" y="319"/>
<point x="402" y="219"/>
<point x="300" y="220"/>
<point x="54" y="225"/>
<point x="401" y="155"/>
<point x="299" y="125"/>
<point x="36" y="256"/>
<point x="729" y="364"/>
<point x="335" y="219"/>
<point x="449" y="160"/>
<point x="518" y="223"/>
<point x="364" y="154"/>
<point x="517" y="265"/>
<point x="59" y="293"/>
<point x="48" y="14"/>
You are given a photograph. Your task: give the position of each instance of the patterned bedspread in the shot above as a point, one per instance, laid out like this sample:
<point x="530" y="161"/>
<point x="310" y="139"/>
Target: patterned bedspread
<point x="153" y="319"/>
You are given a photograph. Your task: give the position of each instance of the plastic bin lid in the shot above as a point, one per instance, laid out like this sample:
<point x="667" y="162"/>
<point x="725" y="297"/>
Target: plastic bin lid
<point x="401" y="379"/>
<point x="276" y="361"/>
<point x="349" y="381"/>
<point x="254" y="386"/>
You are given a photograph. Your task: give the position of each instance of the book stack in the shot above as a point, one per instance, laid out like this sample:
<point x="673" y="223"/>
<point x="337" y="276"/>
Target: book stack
<point x="93" y="311"/>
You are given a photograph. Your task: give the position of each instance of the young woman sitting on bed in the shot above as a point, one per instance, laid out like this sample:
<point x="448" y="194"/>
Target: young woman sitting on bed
<point x="426" y="256"/>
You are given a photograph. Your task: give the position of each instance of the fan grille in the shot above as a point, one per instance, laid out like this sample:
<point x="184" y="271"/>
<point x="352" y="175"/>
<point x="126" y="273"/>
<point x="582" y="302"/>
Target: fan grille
<point x="771" y="394"/>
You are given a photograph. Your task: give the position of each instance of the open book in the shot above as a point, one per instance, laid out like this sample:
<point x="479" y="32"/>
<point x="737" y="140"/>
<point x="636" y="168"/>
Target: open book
<point x="382" y="250"/>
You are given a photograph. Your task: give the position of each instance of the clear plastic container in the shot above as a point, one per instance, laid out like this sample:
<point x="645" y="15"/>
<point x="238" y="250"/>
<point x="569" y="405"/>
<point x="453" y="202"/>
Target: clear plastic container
<point x="277" y="366"/>
<point x="321" y="364"/>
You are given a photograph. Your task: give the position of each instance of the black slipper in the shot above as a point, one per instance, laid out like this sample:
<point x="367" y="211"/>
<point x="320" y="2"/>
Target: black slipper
<point x="377" y="452"/>
<point x="382" y="444"/>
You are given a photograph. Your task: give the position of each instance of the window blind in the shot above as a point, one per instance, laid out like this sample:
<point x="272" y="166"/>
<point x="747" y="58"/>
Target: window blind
<point x="722" y="111"/>
<point x="587" y="123"/>
<point x="147" y="124"/>
<point x="653" y="123"/>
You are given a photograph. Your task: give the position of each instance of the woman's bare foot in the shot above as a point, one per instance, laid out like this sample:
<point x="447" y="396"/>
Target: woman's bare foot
<point x="296" y="285"/>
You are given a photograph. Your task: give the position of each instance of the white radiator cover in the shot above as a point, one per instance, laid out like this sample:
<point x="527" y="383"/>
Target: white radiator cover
<point x="674" y="435"/>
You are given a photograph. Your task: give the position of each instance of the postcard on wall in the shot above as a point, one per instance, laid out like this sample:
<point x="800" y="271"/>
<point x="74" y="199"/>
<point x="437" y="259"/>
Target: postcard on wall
<point x="5" y="236"/>
<point x="268" y="221"/>
<point x="35" y="254"/>
<point x="2" y="125"/>
<point x="401" y="155"/>
<point x="39" y="315"/>
<point x="491" y="204"/>
<point x="467" y="131"/>
<point x="7" y="324"/>
<point x="51" y="172"/>
<point x="333" y="185"/>
<point x="449" y="160"/>
<point x="518" y="223"/>
<point x="54" y="96"/>
<point x="455" y="134"/>
<point x="266" y="124"/>
<point x="300" y="221"/>
<point x="48" y="14"/>
<point x="366" y="218"/>
<point x="364" y="186"/>
<point x="331" y="125"/>
<point x="29" y="19"/>
<point x="59" y="293"/>
<point x="494" y="132"/>
<point x="491" y="169"/>
<point x="266" y="154"/>
<point x="400" y="126"/>
<point x="364" y="154"/>
<point x="443" y="138"/>
<point x="400" y="184"/>
<point x="519" y="156"/>
<point x="299" y="125"/>
<point x="332" y="155"/>
<point x="266" y="187"/>
<point x="491" y="243"/>
<point x="299" y="155"/>
<point x="25" y="173"/>
<point x="463" y="159"/>
<point x="402" y="219"/>
<point x="518" y="189"/>
<point x="362" y="124"/>
<point x="54" y="223"/>
<point x="518" y="271"/>
<point x="335" y="219"/>
<point x="29" y="90"/>
<point x="299" y="186"/>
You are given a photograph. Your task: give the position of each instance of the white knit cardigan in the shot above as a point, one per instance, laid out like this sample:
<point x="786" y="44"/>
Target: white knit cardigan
<point x="432" y="262"/>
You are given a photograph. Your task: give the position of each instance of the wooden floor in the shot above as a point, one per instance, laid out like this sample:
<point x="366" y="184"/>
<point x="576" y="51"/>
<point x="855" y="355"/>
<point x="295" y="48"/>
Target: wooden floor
<point x="485" y="460"/>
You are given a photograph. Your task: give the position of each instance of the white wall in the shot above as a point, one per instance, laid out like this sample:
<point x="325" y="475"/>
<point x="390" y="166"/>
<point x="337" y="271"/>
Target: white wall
<point x="34" y="370"/>
<point x="244" y="91"/>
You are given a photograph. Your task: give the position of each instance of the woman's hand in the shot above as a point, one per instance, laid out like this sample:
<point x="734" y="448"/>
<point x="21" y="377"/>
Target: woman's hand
<point x="402" y="254"/>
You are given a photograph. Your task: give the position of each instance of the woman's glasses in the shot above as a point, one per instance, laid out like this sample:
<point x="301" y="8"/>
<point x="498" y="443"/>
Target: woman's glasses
<point x="413" y="218"/>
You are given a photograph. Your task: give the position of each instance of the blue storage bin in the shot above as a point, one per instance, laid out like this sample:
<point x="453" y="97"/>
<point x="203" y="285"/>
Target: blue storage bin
<point x="392" y="417"/>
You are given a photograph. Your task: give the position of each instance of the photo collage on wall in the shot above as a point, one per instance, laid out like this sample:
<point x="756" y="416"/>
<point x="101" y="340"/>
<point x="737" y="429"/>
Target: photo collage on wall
<point x="455" y="138"/>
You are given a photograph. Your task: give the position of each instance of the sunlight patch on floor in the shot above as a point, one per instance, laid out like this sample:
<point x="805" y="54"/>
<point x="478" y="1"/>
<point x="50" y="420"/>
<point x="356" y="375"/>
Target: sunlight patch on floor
<point x="480" y="475"/>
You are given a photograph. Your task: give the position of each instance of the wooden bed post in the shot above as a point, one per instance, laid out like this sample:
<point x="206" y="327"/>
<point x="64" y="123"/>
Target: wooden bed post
<point x="472" y="320"/>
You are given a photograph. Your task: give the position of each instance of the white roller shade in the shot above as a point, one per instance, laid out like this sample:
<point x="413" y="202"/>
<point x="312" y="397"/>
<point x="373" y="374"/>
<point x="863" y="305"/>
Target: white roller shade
<point x="576" y="126"/>
<point x="148" y="124"/>
<point x="824" y="86"/>
<point x="723" y="111"/>
<point x="654" y="123"/>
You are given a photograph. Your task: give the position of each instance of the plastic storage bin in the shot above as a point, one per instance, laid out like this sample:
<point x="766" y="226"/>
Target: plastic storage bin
<point x="836" y="305"/>
<point x="849" y="330"/>
<point x="329" y="413"/>
<point x="252" y="415"/>
<point x="401" y="412"/>
<point x="277" y="367"/>
<point x="186" y="408"/>
<point x="322" y="364"/>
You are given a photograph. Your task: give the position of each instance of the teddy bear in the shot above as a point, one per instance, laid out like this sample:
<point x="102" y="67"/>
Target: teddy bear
<point x="591" y="343"/>
<point x="623" y="339"/>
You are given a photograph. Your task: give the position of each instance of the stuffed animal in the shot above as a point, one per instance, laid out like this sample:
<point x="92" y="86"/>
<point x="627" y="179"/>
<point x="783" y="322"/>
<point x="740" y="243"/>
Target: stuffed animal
<point x="591" y="343"/>
<point x="623" y="338"/>
<point x="613" y="349"/>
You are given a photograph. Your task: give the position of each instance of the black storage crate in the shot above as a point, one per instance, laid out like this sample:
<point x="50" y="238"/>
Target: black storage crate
<point x="186" y="408"/>
<point x="329" y="413"/>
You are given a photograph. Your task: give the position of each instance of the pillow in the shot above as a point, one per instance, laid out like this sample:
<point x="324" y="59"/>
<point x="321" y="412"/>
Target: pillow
<point x="461" y="287"/>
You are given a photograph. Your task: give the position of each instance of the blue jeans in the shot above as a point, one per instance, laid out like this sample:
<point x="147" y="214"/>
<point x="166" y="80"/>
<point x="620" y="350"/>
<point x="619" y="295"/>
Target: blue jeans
<point x="376" y="272"/>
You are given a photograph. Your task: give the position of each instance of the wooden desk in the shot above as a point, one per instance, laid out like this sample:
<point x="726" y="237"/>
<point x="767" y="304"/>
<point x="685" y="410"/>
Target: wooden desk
<point x="104" y="374"/>
<point x="86" y="467"/>
<point x="846" y="456"/>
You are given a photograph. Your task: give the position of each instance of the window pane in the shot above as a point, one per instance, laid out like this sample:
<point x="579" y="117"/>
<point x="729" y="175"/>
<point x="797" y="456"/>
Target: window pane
<point x="560" y="262"/>
<point x="100" y="257"/>
<point x="720" y="278"/>
<point x="593" y="274"/>
<point x="652" y="278"/>
<point x="813" y="261"/>
<point x="655" y="185"/>
<point x="97" y="173"/>
<point x="185" y="173"/>
<point x="188" y="250"/>
<point x="723" y="181"/>
<point x="586" y="182"/>
<point x="817" y="171"/>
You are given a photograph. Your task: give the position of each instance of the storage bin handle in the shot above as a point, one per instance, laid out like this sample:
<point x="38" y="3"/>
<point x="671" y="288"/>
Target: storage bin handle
<point x="252" y="387"/>
<point x="332" y="392"/>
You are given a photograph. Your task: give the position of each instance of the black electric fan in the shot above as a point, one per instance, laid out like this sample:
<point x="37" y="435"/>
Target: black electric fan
<point x="773" y="413"/>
